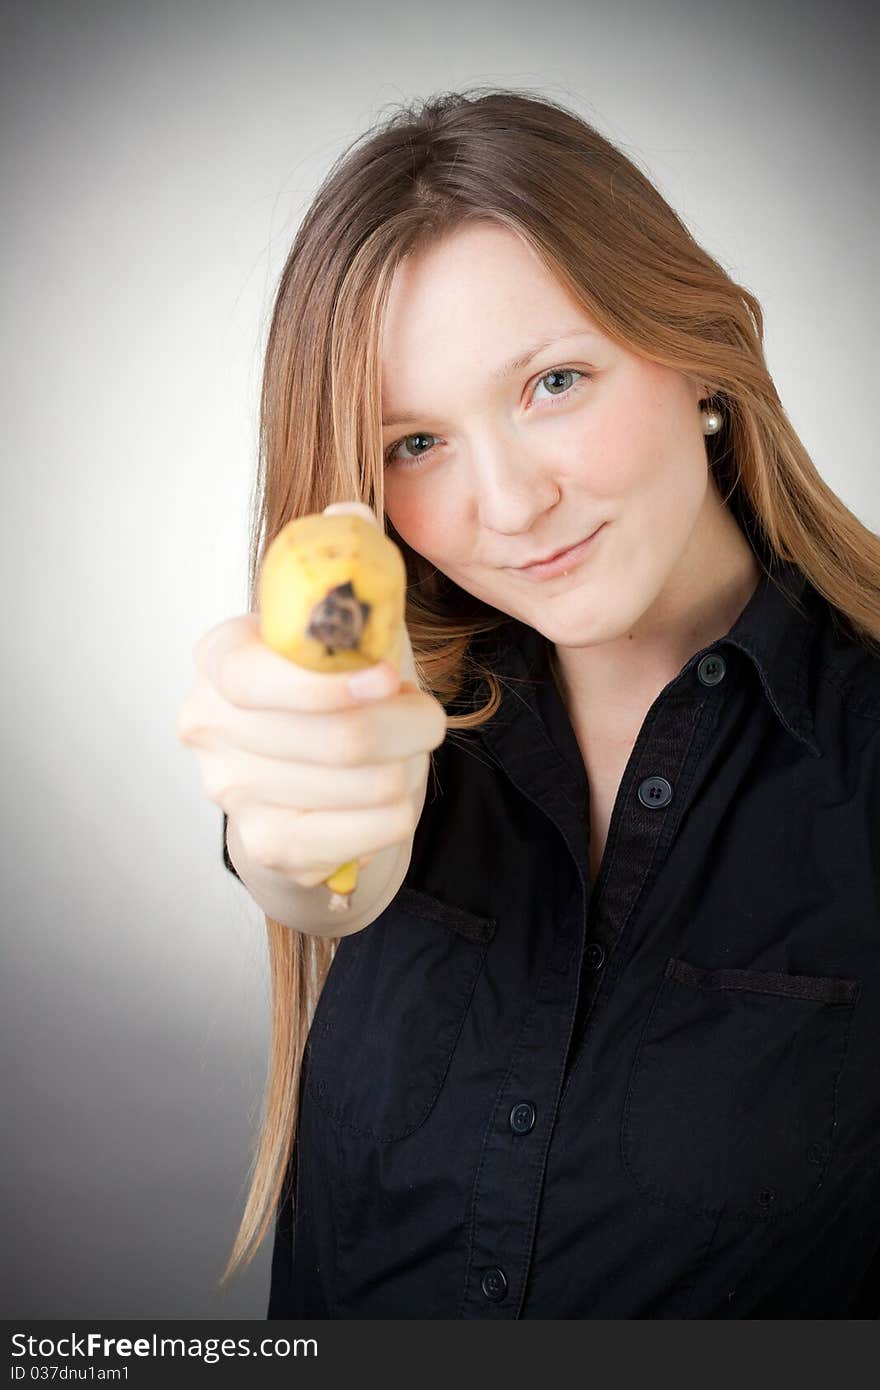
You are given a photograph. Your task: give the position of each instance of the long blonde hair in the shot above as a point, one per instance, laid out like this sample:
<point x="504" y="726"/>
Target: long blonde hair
<point x="599" y="225"/>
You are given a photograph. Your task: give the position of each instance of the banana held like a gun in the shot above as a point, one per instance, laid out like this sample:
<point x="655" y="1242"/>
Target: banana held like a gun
<point x="332" y="598"/>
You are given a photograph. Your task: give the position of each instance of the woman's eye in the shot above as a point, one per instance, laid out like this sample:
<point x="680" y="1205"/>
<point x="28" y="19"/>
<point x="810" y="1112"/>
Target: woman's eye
<point x="560" y="372"/>
<point x="563" y="377"/>
<point x="414" y="457"/>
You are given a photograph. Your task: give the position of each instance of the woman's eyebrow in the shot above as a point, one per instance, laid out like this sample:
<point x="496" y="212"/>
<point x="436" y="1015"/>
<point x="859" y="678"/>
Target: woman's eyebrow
<point x="507" y="369"/>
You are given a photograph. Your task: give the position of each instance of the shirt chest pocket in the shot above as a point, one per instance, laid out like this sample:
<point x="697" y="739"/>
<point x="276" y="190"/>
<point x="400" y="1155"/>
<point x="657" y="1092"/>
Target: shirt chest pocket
<point x="732" y="1097"/>
<point x="390" y="1014"/>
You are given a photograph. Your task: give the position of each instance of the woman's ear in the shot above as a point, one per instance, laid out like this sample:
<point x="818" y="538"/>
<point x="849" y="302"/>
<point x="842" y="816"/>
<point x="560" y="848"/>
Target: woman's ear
<point x="703" y="390"/>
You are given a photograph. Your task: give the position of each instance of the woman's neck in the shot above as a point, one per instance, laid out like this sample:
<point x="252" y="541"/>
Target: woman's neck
<point x="611" y="685"/>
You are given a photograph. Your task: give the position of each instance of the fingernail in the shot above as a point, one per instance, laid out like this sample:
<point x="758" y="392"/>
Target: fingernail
<point x="350" y="509"/>
<point x="370" y="684"/>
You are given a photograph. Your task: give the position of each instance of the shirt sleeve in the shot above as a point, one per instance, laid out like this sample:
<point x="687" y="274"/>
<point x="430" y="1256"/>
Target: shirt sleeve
<point x="226" y="860"/>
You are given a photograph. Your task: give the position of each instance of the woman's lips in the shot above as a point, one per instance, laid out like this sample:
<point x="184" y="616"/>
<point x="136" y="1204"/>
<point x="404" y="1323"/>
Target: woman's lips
<point x="546" y="569"/>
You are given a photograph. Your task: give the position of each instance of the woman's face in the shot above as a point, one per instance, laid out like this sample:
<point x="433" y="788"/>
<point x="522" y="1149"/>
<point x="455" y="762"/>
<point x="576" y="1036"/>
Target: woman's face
<point x="489" y="470"/>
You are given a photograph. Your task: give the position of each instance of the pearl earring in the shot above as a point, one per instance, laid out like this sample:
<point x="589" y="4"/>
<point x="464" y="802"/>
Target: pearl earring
<point x="712" y="421"/>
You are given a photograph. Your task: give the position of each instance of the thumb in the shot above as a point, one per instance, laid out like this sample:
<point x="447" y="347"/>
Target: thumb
<point x="408" y="675"/>
<point x="354" y="508"/>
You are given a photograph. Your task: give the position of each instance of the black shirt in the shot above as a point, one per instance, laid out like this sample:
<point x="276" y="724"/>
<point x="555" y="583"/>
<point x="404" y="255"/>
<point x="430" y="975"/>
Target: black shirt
<point x="528" y="1096"/>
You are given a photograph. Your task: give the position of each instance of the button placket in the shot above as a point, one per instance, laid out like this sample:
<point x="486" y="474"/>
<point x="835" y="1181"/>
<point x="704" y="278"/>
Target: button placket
<point x="514" y="1154"/>
<point x="674" y="735"/>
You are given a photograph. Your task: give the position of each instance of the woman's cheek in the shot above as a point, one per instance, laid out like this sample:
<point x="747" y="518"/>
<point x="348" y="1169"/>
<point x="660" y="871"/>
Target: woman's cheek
<point x="416" y="520"/>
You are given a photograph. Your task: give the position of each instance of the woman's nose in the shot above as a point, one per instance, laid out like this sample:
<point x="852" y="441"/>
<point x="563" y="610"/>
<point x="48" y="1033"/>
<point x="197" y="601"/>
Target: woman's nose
<point x="512" y="490"/>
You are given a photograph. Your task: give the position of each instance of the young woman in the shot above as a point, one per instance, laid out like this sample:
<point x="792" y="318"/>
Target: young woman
<point x="601" y="1039"/>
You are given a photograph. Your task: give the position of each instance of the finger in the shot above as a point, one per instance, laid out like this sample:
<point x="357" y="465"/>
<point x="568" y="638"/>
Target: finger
<point x="325" y="840"/>
<point x="251" y="675"/>
<point x="352" y="508"/>
<point x="311" y="879"/>
<point x="409" y="679"/>
<point x="237" y="779"/>
<point x="384" y="731"/>
<point x="223" y="636"/>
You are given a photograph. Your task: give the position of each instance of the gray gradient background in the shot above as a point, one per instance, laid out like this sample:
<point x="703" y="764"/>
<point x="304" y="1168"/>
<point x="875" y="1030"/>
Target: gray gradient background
<point x="156" y="159"/>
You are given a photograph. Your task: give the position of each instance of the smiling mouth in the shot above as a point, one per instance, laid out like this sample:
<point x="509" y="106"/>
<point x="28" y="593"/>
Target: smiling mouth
<point x="557" y="554"/>
<point x="545" y="559"/>
<point x="561" y="562"/>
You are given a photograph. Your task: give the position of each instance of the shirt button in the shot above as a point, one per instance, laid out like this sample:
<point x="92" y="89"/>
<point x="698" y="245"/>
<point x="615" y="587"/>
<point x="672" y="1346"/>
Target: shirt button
<point x="522" y="1117"/>
<point x="711" y="668"/>
<point x="595" y="954"/>
<point x="494" y="1284"/>
<point x="655" y="792"/>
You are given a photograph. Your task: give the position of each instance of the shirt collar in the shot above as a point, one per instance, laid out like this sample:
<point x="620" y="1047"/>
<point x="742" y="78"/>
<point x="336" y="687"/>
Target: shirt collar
<point x="774" y="630"/>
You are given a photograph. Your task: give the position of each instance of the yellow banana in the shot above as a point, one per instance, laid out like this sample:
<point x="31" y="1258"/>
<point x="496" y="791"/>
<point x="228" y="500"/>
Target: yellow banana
<point x="332" y="598"/>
